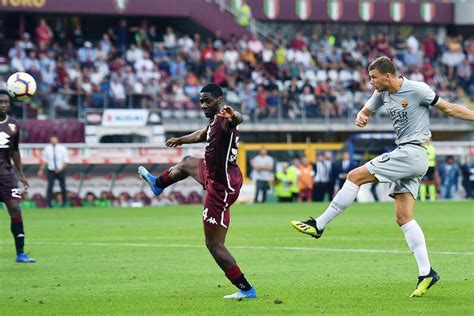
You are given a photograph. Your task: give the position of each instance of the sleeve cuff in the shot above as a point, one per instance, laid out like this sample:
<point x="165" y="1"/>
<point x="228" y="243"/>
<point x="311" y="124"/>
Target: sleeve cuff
<point x="435" y="100"/>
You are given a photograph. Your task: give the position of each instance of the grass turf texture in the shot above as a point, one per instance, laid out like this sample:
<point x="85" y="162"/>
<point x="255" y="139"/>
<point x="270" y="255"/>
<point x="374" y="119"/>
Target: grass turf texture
<point x="153" y="261"/>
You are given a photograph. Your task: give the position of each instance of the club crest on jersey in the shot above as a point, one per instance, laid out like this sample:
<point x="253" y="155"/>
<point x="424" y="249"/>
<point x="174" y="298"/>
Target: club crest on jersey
<point x="404" y="103"/>
<point x="12" y="127"/>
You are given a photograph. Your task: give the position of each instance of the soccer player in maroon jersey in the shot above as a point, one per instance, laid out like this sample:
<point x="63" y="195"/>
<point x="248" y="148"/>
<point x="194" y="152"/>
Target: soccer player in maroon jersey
<point x="219" y="175"/>
<point x="10" y="193"/>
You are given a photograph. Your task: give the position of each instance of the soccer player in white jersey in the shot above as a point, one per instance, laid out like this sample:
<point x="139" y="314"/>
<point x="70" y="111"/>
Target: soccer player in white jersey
<point x="408" y="104"/>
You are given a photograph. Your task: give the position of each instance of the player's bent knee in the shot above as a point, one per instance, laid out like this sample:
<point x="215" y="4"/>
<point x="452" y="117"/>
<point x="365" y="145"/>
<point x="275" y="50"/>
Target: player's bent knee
<point x="355" y="176"/>
<point x="188" y="163"/>
<point x="15" y="212"/>
<point x="214" y="247"/>
<point x="402" y="215"/>
<point x="402" y="219"/>
<point x="360" y="176"/>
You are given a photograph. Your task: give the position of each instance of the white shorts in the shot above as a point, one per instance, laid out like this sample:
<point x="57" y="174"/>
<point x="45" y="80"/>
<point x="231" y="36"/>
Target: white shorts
<point x="404" y="167"/>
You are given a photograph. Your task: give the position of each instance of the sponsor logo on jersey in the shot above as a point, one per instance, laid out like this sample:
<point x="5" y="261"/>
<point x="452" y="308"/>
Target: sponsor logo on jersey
<point x="400" y="117"/>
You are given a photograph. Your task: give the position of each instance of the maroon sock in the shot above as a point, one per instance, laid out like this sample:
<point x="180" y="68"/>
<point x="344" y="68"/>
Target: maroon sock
<point x="164" y="180"/>
<point x="237" y="278"/>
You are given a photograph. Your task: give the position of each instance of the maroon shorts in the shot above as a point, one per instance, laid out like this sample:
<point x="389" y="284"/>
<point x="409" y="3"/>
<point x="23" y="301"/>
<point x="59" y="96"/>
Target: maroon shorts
<point x="9" y="189"/>
<point x="306" y="194"/>
<point x="219" y="196"/>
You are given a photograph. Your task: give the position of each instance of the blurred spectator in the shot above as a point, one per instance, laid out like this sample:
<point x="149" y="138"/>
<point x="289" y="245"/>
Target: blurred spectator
<point x="141" y="199"/>
<point x="255" y="45"/>
<point x="430" y="46"/>
<point x="170" y="41"/>
<point x="467" y="170"/>
<point x="413" y="44"/>
<point x="194" y="198"/>
<point x="282" y="184"/>
<point x="117" y="91"/>
<point x="449" y="174"/>
<point x="86" y="54"/>
<point x="412" y="58"/>
<point x="16" y="51"/>
<point x="452" y="58"/>
<point x="17" y="61"/>
<point x="74" y="199"/>
<point x="305" y="180"/>
<point x="177" y="197"/>
<point x="343" y="167"/>
<point x="78" y="37"/>
<point x="294" y="174"/>
<point x="428" y="183"/>
<point x="105" y="200"/>
<point x="123" y="200"/>
<point x="465" y="75"/>
<point x="58" y="201"/>
<point x="161" y="200"/>
<point x="243" y="14"/>
<point x="122" y="35"/>
<point x="55" y="160"/>
<point x="142" y="39"/>
<point x="262" y="174"/>
<point x="44" y="34"/>
<point x="249" y="102"/>
<point x="26" y="202"/>
<point x="322" y="178"/>
<point x="89" y="200"/>
<point x="25" y="42"/>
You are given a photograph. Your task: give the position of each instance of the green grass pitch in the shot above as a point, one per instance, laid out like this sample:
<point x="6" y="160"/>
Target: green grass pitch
<point x="153" y="261"/>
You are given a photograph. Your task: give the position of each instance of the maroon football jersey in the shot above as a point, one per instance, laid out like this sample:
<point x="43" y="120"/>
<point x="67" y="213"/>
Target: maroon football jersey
<point x="221" y="150"/>
<point x="9" y="134"/>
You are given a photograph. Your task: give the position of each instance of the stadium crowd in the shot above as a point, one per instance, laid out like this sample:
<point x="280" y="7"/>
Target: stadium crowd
<point x="311" y="75"/>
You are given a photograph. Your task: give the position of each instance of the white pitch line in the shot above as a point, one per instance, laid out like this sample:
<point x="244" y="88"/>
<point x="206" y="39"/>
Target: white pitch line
<point x="349" y="250"/>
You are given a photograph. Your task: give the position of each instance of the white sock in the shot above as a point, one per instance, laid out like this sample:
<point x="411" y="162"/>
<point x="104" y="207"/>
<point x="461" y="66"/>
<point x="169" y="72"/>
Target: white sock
<point x="346" y="195"/>
<point x="416" y="241"/>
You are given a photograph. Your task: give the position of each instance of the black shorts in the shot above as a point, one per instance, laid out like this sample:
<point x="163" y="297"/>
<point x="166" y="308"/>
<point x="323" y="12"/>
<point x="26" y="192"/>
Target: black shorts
<point x="9" y="189"/>
<point x="430" y="174"/>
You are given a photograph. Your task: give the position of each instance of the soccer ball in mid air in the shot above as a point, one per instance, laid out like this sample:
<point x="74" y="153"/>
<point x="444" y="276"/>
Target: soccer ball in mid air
<point x="21" y="86"/>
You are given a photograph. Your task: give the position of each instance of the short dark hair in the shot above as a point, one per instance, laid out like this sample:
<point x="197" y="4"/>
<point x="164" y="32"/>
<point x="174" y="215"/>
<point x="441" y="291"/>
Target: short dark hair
<point x="5" y="92"/>
<point x="384" y="65"/>
<point x="214" y="89"/>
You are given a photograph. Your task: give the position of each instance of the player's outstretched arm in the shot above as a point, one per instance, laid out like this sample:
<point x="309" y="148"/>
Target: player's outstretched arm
<point x="363" y="117"/>
<point x="195" y="137"/>
<point x="234" y="117"/>
<point x="455" y="110"/>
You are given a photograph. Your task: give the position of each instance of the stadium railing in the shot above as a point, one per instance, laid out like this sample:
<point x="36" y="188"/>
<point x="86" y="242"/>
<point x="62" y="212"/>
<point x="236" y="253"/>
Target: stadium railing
<point x="292" y="113"/>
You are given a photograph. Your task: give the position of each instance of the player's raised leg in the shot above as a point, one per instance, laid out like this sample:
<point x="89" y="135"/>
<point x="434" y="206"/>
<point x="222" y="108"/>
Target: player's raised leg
<point x="404" y="205"/>
<point x="215" y="239"/>
<point x="343" y="199"/>
<point x="16" y="226"/>
<point x="189" y="166"/>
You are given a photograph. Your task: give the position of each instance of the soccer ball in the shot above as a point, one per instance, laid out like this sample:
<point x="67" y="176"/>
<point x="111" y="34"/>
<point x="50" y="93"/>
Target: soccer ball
<point x="21" y="86"/>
